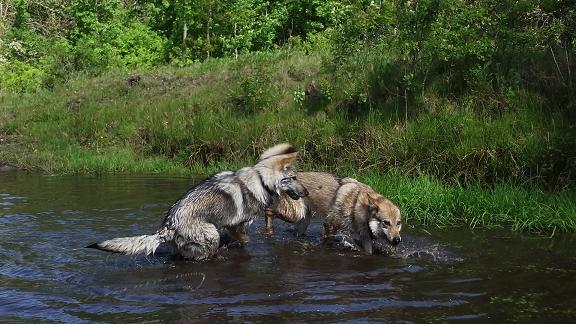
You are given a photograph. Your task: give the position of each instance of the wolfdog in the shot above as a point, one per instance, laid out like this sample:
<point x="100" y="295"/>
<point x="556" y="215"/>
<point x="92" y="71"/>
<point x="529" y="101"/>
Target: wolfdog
<point x="345" y="205"/>
<point x="224" y="201"/>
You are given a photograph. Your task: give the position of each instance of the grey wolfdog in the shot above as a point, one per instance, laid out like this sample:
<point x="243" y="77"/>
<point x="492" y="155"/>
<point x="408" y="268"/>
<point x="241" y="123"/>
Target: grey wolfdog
<point x="226" y="200"/>
<point x="345" y="205"/>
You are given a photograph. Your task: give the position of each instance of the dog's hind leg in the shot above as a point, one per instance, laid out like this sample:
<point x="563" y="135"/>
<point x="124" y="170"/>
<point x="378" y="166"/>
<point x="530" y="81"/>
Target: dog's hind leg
<point x="200" y="243"/>
<point x="329" y="230"/>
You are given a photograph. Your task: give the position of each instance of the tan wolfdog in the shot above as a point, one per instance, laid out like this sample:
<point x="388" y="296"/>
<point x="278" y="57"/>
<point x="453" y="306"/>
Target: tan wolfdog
<point x="345" y="205"/>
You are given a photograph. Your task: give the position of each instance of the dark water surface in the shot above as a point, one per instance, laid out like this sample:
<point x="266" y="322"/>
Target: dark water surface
<point x="435" y="275"/>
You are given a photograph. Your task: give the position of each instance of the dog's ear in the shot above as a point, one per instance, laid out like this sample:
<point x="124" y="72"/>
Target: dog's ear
<point x="278" y="150"/>
<point x="372" y="207"/>
<point x="279" y="157"/>
<point x="285" y="161"/>
<point x="280" y="162"/>
<point x="368" y="201"/>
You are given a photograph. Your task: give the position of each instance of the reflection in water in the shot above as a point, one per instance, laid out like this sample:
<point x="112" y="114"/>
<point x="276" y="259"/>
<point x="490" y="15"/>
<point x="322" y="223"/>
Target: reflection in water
<point x="452" y="274"/>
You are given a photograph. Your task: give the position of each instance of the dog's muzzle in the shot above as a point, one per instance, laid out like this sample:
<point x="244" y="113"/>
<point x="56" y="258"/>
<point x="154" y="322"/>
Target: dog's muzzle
<point x="293" y="194"/>
<point x="296" y="195"/>
<point x="395" y="240"/>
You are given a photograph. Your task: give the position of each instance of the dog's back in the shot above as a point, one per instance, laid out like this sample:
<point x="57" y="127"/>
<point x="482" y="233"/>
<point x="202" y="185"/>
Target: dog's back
<point x="322" y="189"/>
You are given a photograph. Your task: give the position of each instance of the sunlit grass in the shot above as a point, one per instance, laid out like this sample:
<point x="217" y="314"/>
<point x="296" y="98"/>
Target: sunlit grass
<point x="427" y="201"/>
<point x="448" y="163"/>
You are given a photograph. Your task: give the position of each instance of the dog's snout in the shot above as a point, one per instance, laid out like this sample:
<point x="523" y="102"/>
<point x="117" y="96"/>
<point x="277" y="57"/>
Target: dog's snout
<point x="396" y="240"/>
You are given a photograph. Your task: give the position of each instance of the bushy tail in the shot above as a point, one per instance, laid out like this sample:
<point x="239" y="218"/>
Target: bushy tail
<point x="143" y="244"/>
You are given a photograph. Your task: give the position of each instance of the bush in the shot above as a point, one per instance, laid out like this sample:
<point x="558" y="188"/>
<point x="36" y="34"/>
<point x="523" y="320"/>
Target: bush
<point x="254" y="90"/>
<point x="17" y="76"/>
<point x="139" y="46"/>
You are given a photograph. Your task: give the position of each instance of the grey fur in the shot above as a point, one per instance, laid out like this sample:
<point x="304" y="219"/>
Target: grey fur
<point x="345" y="205"/>
<point x="226" y="200"/>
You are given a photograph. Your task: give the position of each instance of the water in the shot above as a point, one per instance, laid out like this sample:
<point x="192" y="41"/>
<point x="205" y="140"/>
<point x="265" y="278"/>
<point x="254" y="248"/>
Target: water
<point x="435" y="275"/>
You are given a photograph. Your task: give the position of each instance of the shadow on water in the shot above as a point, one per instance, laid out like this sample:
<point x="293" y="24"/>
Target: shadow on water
<point x="449" y="274"/>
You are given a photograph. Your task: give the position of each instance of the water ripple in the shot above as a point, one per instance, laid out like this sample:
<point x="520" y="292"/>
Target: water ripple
<point x="335" y="308"/>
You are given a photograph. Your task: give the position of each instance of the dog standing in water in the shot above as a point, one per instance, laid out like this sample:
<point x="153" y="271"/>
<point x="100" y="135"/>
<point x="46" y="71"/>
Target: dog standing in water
<point x="345" y="205"/>
<point x="227" y="200"/>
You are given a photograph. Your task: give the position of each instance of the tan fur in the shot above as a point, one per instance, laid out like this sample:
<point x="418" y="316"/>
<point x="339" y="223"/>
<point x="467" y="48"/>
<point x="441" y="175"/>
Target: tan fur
<point x="345" y="205"/>
<point x="281" y="164"/>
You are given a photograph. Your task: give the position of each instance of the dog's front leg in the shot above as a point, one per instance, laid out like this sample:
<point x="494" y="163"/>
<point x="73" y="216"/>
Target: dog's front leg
<point x="269" y="216"/>
<point x="301" y="226"/>
<point x="364" y="239"/>
<point x="366" y="244"/>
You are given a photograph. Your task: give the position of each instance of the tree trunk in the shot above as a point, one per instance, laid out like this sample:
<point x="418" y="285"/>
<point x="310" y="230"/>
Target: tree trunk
<point x="208" y="32"/>
<point x="184" y="47"/>
<point x="235" y="47"/>
<point x="405" y="107"/>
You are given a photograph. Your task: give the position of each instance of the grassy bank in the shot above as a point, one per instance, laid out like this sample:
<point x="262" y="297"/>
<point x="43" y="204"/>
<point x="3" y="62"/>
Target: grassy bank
<point x="445" y="161"/>
<point x="176" y="119"/>
<point x="427" y="201"/>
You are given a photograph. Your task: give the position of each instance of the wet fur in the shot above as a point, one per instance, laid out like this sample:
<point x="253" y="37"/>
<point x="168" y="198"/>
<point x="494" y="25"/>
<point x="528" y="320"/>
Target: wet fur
<point x="345" y="205"/>
<point x="224" y="201"/>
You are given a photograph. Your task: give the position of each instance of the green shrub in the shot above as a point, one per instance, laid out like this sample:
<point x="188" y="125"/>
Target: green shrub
<point x="17" y="76"/>
<point x="253" y="92"/>
<point x="139" y="46"/>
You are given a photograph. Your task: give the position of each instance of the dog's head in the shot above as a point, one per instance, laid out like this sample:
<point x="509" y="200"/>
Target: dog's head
<point x="278" y="174"/>
<point x="384" y="218"/>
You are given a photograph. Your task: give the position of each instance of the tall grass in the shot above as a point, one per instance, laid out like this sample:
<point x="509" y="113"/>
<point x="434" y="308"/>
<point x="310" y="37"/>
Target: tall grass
<point x="448" y="162"/>
<point x="227" y="110"/>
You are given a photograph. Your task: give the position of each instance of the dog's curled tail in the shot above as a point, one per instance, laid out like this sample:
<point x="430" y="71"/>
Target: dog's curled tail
<point x="142" y="244"/>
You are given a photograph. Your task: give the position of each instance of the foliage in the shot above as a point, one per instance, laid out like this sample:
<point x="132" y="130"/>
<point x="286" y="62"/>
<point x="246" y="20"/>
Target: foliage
<point x="415" y="81"/>
<point x="214" y="111"/>
<point x="456" y="48"/>
<point x="105" y="37"/>
<point x="402" y="52"/>
<point x="17" y="75"/>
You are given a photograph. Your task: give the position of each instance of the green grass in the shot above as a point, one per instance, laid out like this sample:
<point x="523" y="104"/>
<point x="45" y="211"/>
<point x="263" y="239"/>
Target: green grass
<point x="424" y="200"/>
<point x="453" y="161"/>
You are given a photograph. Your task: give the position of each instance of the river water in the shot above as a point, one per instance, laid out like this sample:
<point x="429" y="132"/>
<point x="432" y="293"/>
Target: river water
<point x="435" y="274"/>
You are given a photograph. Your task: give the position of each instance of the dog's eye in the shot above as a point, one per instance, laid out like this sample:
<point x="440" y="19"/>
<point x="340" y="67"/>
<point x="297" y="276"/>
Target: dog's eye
<point x="286" y="180"/>
<point x="387" y="223"/>
<point x="399" y="223"/>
